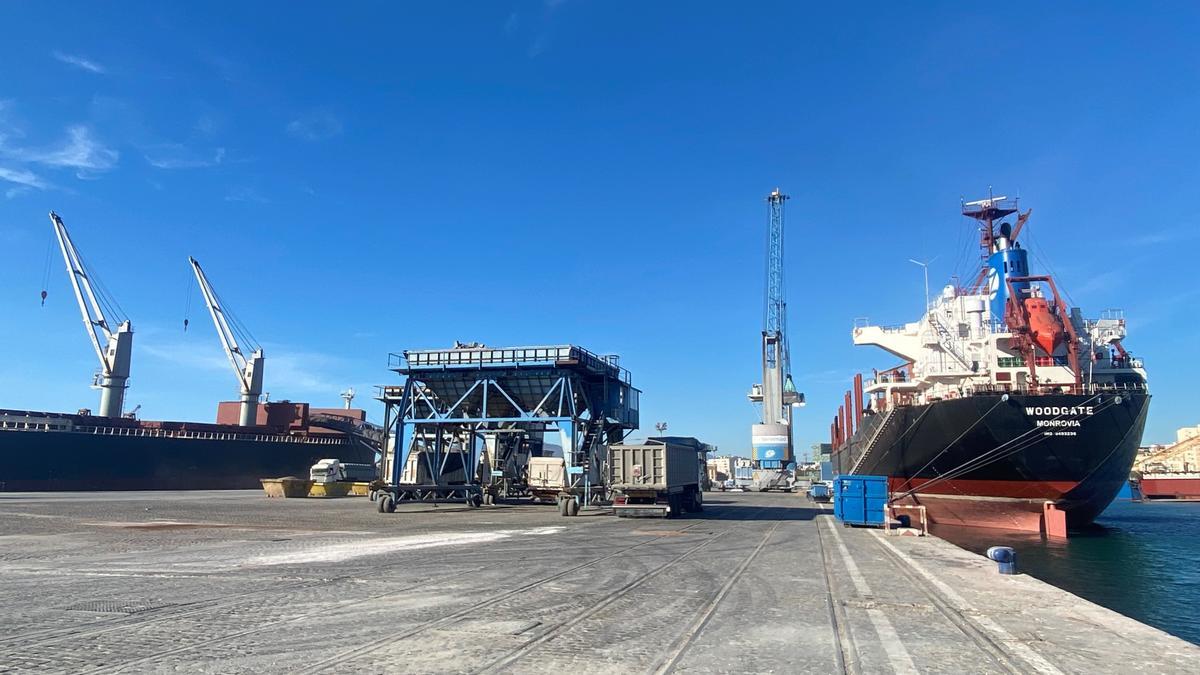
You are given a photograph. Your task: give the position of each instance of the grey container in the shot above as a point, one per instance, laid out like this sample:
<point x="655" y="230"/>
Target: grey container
<point x="659" y="467"/>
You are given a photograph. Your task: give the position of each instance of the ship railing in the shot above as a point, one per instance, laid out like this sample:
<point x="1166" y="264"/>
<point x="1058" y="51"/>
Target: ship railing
<point x="1087" y="388"/>
<point x="30" y="426"/>
<point x="863" y="322"/>
<point x="208" y="435"/>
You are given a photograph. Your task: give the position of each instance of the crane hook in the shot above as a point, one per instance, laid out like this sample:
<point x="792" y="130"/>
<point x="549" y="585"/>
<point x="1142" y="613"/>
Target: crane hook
<point x="185" y="324"/>
<point x="43" y="298"/>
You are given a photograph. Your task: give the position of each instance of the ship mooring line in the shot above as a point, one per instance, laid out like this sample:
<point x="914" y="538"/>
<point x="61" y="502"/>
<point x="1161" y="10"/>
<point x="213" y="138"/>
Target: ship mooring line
<point x="985" y="458"/>
<point x="1141" y="417"/>
<point x="1023" y="442"/>
<point x="949" y="445"/>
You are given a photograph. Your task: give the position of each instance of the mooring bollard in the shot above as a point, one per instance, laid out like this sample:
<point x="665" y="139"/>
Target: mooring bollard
<point x="1006" y="557"/>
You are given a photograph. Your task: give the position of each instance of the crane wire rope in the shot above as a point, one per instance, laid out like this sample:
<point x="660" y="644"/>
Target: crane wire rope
<point x="1019" y="443"/>
<point x="108" y="303"/>
<point x="46" y="268"/>
<point x="187" y="302"/>
<point x="984" y="459"/>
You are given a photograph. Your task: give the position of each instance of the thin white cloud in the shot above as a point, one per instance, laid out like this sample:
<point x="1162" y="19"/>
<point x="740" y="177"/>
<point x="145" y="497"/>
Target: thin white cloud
<point x="287" y="372"/>
<point x="206" y="126"/>
<point x="23" y="178"/>
<point x="1167" y="236"/>
<point x="245" y="194"/>
<point x="187" y="354"/>
<point x="80" y="62"/>
<point x="178" y="156"/>
<point x="80" y="151"/>
<point x="317" y="125"/>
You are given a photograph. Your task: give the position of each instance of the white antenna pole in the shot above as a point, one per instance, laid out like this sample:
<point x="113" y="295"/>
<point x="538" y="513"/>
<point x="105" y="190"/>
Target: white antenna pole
<point x="925" y="267"/>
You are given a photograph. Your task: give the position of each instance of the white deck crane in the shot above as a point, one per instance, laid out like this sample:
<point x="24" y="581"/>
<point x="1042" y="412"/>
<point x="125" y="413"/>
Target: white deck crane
<point x="771" y="441"/>
<point x="249" y="370"/>
<point x="112" y="348"/>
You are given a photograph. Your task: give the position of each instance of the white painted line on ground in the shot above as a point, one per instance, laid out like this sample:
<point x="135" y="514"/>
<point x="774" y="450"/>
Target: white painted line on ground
<point x="898" y="656"/>
<point x="999" y="634"/>
<point x="358" y="549"/>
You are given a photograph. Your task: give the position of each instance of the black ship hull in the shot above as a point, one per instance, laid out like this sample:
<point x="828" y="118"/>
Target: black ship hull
<point x="42" y="460"/>
<point x="995" y="461"/>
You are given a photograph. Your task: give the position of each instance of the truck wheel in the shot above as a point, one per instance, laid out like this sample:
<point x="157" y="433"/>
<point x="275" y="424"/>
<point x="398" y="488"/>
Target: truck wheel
<point x="572" y="507"/>
<point x="562" y="506"/>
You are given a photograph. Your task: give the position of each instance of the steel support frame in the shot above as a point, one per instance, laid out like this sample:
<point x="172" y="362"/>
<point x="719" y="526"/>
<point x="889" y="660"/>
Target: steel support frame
<point x="419" y="417"/>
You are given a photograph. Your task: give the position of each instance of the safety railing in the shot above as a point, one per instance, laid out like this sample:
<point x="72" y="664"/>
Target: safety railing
<point x="484" y="356"/>
<point x="208" y="435"/>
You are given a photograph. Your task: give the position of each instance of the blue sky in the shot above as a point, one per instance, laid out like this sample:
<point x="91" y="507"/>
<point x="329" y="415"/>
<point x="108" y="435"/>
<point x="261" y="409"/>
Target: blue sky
<point x="377" y="177"/>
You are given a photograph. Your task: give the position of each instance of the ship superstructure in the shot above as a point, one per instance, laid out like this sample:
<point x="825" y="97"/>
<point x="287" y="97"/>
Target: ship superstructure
<point x="1005" y="399"/>
<point x="973" y="339"/>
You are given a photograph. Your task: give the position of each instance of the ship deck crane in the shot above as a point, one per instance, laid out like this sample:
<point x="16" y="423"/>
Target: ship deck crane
<point x="772" y="439"/>
<point x="113" y="348"/>
<point x="249" y="370"/>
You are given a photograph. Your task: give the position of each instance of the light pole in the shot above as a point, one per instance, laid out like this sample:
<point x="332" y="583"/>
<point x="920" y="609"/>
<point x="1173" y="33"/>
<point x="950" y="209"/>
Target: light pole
<point x="925" y="266"/>
<point x="660" y="427"/>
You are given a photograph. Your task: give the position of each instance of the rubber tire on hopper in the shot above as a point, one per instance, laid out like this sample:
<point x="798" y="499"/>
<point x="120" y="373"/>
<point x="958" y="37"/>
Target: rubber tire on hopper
<point x="572" y="507"/>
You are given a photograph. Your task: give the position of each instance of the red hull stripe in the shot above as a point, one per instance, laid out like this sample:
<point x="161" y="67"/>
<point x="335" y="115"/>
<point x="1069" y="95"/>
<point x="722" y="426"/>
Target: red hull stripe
<point x="1013" y="489"/>
<point x="1179" y="488"/>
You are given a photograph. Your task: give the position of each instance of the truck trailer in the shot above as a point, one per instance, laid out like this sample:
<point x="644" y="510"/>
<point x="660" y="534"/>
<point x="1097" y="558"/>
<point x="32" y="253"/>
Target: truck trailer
<point x="656" y="479"/>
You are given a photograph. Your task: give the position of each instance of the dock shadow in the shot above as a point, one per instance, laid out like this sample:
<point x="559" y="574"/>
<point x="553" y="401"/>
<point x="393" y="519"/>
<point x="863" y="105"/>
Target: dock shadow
<point x="720" y="510"/>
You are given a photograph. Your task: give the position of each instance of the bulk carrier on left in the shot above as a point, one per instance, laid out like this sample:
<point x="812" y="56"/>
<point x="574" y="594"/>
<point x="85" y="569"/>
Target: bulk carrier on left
<point x="112" y="450"/>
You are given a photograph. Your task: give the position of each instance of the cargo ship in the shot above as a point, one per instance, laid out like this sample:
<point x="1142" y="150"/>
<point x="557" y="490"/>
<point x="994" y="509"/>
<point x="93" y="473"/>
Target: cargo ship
<point x="45" y="451"/>
<point x="1006" y="404"/>
<point x="1172" y="471"/>
<point x="112" y="450"/>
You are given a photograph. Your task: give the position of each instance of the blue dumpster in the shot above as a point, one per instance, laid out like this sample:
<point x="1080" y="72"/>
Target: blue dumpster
<point x="860" y="500"/>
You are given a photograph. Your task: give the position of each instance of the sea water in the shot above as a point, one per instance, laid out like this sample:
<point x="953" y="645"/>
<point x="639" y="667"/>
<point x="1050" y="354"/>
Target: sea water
<point x="1139" y="559"/>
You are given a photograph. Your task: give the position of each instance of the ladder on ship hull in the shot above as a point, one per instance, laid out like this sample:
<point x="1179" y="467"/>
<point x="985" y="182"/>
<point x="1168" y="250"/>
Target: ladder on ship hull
<point x="881" y="425"/>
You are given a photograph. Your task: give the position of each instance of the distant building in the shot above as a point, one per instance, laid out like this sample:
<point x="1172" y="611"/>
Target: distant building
<point x="722" y="468"/>
<point x="1182" y="456"/>
<point x="1187" y="433"/>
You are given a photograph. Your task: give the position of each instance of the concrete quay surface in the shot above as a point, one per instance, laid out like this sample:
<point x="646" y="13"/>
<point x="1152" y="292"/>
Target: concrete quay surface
<point x="235" y="582"/>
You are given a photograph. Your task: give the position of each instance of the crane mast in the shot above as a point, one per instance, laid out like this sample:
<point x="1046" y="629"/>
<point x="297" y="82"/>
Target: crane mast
<point x="249" y="370"/>
<point x="772" y="439"/>
<point x="113" y="348"/>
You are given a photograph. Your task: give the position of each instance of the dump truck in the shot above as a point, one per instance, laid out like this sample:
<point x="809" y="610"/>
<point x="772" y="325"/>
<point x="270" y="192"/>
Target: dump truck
<point x="656" y="479"/>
